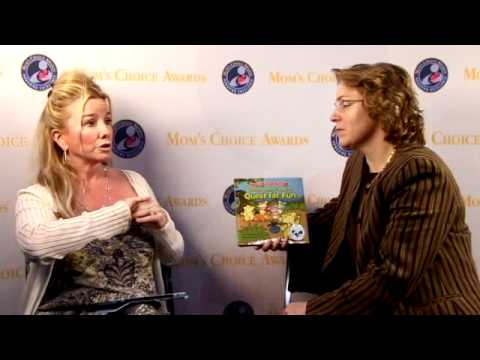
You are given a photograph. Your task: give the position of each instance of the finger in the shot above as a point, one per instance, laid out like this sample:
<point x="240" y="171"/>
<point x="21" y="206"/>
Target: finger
<point x="154" y="213"/>
<point x="158" y="218"/>
<point x="266" y="245"/>
<point x="142" y="211"/>
<point x="275" y="243"/>
<point x="149" y="210"/>
<point x="147" y="219"/>
<point x="139" y="200"/>
<point x="147" y="205"/>
<point x="142" y="200"/>
<point x="283" y="244"/>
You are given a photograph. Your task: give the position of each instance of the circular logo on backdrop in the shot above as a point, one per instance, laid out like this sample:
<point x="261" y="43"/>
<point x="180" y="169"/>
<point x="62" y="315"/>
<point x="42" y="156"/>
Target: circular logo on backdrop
<point x="229" y="201"/>
<point x="336" y="145"/>
<point x="128" y="139"/>
<point x="431" y="75"/>
<point x="238" y="77"/>
<point x="39" y="72"/>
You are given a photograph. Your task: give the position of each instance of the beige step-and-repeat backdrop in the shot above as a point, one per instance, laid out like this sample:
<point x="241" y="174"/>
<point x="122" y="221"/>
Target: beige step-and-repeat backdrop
<point x="196" y="117"/>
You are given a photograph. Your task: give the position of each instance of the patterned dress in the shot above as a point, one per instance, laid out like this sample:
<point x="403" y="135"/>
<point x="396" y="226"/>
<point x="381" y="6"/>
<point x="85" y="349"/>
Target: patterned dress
<point x="104" y="270"/>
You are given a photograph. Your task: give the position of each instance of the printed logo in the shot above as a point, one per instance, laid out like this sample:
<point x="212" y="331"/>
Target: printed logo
<point x="229" y="201"/>
<point x="297" y="232"/>
<point x="431" y="75"/>
<point x="128" y="139"/>
<point x="336" y="145"/>
<point x="39" y="72"/>
<point x="238" y="77"/>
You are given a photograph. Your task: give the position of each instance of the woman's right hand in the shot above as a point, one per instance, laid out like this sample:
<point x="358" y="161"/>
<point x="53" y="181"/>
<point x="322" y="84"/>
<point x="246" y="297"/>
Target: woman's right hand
<point x="133" y="202"/>
<point x="274" y="244"/>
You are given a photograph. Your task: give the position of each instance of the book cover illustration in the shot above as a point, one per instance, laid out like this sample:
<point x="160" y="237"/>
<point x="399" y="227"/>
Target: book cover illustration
<point x="270" y="208"/>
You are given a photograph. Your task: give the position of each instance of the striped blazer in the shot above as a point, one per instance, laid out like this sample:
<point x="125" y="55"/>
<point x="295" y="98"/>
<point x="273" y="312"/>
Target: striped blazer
<point x="414" y="249"/>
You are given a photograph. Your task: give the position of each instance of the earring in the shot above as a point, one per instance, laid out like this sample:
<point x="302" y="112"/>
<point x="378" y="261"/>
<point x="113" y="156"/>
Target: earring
<point x="65" y="155"/>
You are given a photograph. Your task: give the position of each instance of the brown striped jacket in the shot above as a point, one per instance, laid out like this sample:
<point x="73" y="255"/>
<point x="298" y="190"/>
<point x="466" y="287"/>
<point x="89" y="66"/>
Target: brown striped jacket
<point x="414" y="252"/>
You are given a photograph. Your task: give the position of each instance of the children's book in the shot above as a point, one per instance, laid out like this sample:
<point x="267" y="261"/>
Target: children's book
<point x="270" y="208"/>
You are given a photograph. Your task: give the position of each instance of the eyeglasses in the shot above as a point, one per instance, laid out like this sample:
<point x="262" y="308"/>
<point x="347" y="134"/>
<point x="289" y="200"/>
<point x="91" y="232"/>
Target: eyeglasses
<point x="342" y="104"/>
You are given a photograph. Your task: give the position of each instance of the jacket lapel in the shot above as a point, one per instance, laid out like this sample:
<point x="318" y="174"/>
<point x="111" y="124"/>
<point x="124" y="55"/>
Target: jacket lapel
<point x="347" y="195"/>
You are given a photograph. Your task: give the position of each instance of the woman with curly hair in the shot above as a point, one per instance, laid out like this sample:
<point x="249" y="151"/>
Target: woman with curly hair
<point x="394" y="241"/>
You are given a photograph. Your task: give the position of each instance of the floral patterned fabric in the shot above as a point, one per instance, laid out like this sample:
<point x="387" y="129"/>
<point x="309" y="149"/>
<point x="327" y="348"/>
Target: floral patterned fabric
<point x="102" y="271"/>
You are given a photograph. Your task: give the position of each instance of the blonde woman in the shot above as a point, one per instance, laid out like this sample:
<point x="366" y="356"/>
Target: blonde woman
<point x="90" y="233"/>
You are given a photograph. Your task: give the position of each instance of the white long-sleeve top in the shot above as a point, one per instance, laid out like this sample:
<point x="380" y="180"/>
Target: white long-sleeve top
<point x="44" y="237"/>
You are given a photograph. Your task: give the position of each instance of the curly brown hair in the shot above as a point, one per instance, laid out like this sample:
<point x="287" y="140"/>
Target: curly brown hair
<point x="389" y="98"/>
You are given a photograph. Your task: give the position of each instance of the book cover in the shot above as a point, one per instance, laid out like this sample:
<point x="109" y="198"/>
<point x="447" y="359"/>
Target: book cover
<point x="270" y="208"/>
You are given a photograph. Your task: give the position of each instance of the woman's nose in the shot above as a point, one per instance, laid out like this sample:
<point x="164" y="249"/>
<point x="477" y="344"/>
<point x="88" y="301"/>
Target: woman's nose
<point x="105" y="130"/>
<point x="334" y="117"/>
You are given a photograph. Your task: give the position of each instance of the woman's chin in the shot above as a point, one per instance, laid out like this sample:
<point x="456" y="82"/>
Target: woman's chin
<point x="344" y="143"/>
<point x="105" y="158"/>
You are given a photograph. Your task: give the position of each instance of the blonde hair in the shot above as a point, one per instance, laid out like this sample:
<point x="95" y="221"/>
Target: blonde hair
<point x="390" y="99"/>
<point x="55" y="173"/>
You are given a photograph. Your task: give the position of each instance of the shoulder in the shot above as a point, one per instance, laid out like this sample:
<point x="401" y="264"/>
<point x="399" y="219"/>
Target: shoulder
<point x="130" y="175"/>
<point x="36" y="192"/>
<point x="137" y="180"/>
<point x="416" y="151"/>
<point x="417" y="163"/>
<point x="421" y="159"/>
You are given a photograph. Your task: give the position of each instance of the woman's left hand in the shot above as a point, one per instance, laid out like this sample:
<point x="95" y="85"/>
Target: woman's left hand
<point x="296" y="308"/>
<point x="150" y="214"/>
